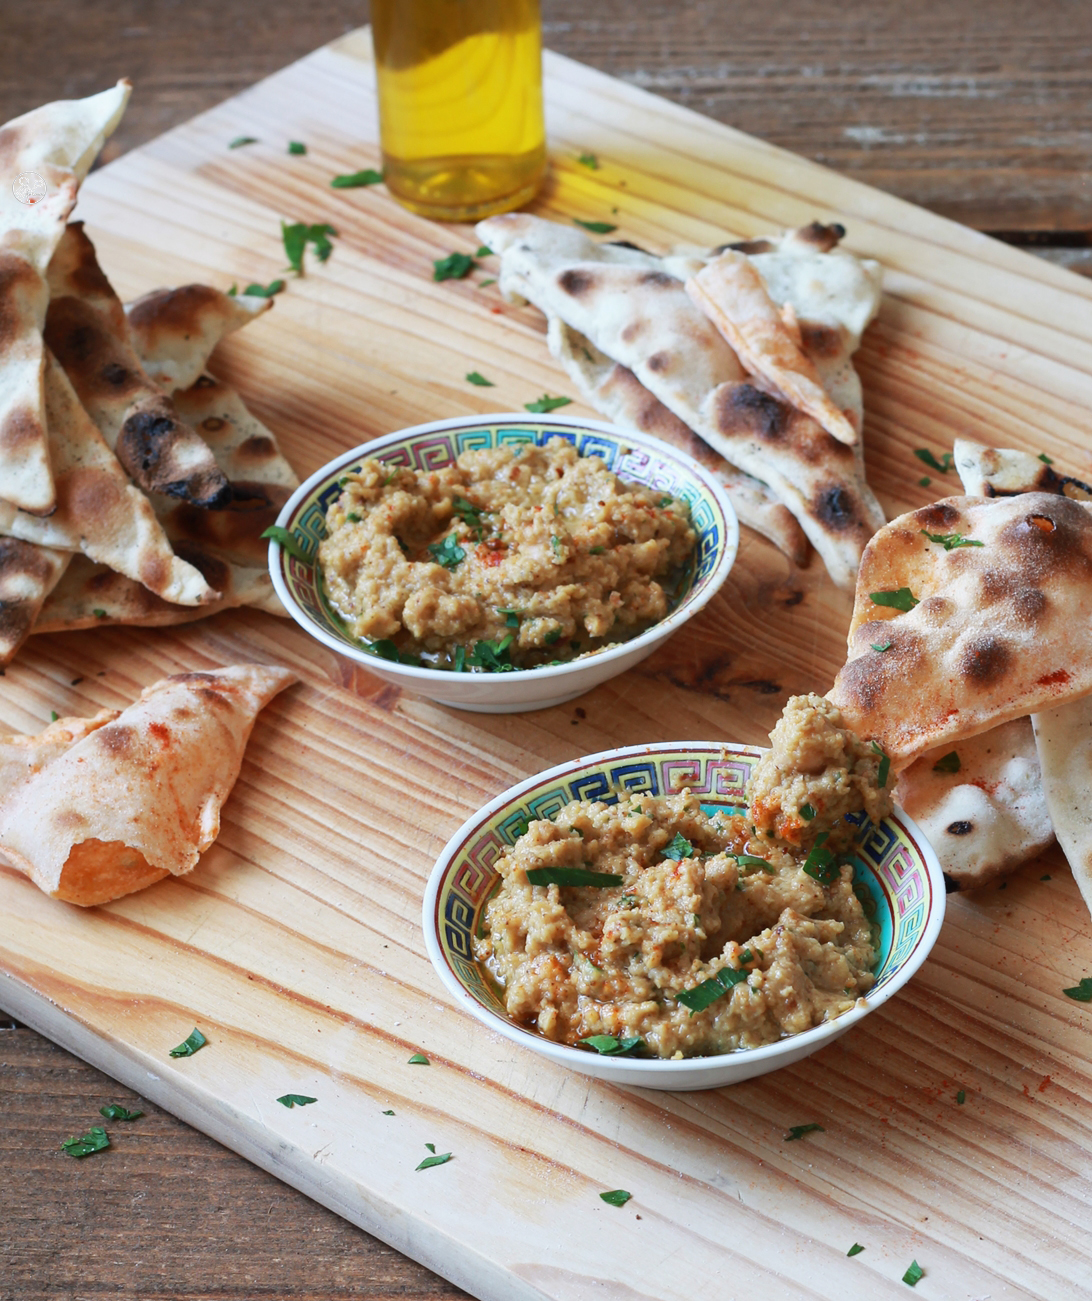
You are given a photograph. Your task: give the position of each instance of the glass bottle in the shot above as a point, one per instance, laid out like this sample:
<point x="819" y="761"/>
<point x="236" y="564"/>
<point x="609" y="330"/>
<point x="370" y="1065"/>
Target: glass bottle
<point x="460" y="104"/>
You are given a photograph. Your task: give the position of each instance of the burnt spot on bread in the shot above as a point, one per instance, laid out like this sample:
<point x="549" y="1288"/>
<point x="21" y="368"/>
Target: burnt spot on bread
<point x="149" y="447"/>
<point x="660" y="279"/>
<point x="937" y="516"/>
<point x="747" y="246"/>
<point x="1029" y="604"/>
<point x="744" y="407"/>
<point x="215" y="572"/>
<point x="174" y="310"/>
<point x="256" y="448"/>
<point x="204" y="381"/>
<point x="576" y="283"/>
<point x="820" y="341"/>
<point x="625" y="243"/>
<point x="115" y="738"/>
<point x="213" y="424"/>
<point x="155" y="570"/>
<point x="961" y="828"/>
<point x="659" y="363"/>
<point x="836" y="508"/>
<point x="951" y="885"/>
<point x="821" y="237"/>
<point x="20" y="559"/>
<point x="18" y="282"/>
<point x="115" y="374"/>
<point x="633" y="330"/>
<point x="1044" y="480"/>
<point x="984" y="660"/>
<point x="20" y="430"/>
<point x="1051" y="535"/>
<point x="863" y="682"/>
<point x="83" y="272"/>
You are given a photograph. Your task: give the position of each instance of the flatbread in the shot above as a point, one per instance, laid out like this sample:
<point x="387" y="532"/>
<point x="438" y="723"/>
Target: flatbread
<point x="86" y="330"/>
<point x="28" y="573"/>
<point x="637" y="313"/>
<point x="23" y="756"/>
<point x="1005" y="472"/>
<point x="54" y="145"/>
<point x="99" y="512"/>
<point x="1001" y="630"/>
<point x="615" y="392"/>
<point x="174" y="331"/>
<point x="991" y="815"/>
<point x="139" y="798"/>
<point x="1063" y="739"/>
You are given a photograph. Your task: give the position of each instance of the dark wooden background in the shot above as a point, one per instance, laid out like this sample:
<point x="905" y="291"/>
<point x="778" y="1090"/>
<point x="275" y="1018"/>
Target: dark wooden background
<point x="980" y="111"/>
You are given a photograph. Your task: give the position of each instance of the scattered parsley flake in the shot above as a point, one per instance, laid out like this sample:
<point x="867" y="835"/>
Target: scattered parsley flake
<point x="475" y="377"/>
<point x="881" y="646"/>
<point x="855" y="1250"/>
<point x="885" y="763"/>
<point x="239" y="141"/>
<point x="555" y="544"/>
<point x="491" y="281"/>
<point x="291" y="1100"/>
<point x="942" y="466"/>
<point x="679" y="848"/>
<point x="589" y="160"/>
<point x="820" y="863"/>
<point x="798" y="1131"/>
<point x="115" y="1111"/>
<point x="545" y="403"/>
<point x="233" y="291"/>
<point x="94" y="1140"/>
<point x="924" y="481"/>
<point x="1081" y="992"/>
<point x="553" y="635"/>
<point x="431" y="1147"/>
<point x="1045" y="877"/>
<point x="914" y="1274"/>
<point x="470" y="514"/>
<point x="190" y="1045"/>
<point x="289" y="542"/>
<point x="99" y="614"/>
<point x="351" y="180"/>
<point x="448" y="552"/>
<point x="948" y="763"/>
<point x="430" y="1161"/>
<point x="296" y="147"/>
<point x="596" y="227"/>
<point x="255" y="290"/>
<point x="752" y="860"/>
<point x="596" y="551"/>
<point x="418" y="1059"/>
<point x="961" y="1097"/>
<point x="899" y="598"/>
<point x="53" y="715"/>
<point x="484" y="251"/>
<point x="700" y="997"/>
<point x="807" y="812"/>
<point x="572" y="876"/>
<point x="1046" y="460"/>
<point x="456" y="266"/>
<point x="607" y="1045"/>
<point x="388" y="1113"/>
<point x="950" y="541"/>
<point x="297" y="235"/>
<point x="616" y="1197"/>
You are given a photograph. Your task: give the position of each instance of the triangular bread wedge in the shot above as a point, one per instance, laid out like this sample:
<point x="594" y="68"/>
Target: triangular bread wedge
<point x="23" y="756"/>
<point x="1004" y="472"/>
<point x="616" y="393"/>
<point x="1063" y="738"/>
<point x="1001" y="625"/>
<point x="87" y="332"/>
<point x="28" y="573"/>
<point x="988" y="816"/>
<point x="139" y="798"/>
<point x="99" y="512"/>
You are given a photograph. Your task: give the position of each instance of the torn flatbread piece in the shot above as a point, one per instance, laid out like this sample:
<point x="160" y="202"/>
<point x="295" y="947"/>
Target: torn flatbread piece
<point x="87" y="332"/>
<point x="51" y="148"/>
<point x="28" y="573"/>
<point x="968" y="613"/>
<point x="174" y="331"/>
<point x="1004" y="472"/>
<point x="617" y="394"/>
<point x="139" y="798"/>
<point x="1063" y="739"/>
<point x="99" y="512"/>
<point x="23" y="756"/>
<point x="733" y="295"/>
<point x="980" y="803"/>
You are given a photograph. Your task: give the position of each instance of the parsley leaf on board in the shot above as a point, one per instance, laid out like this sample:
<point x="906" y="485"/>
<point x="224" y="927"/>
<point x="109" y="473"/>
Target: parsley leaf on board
<point x="1046" y="460"/>
<point x="616" y="1197"/>
<point x="700" y="997"/>
<point x="679" y="848"/>
<point x="961" y="1097"/>
<point x="947" y="763"/>
<point x="289" y="542"/>
<point x="924" y="481"/>
<point x="798" y="1131"/>
<point x="572" y="876"/>
<point x="99" y="614"/>
<point x="448" y="552"/>
<point x="855" y="1250"/>
<point x="950" y="541"/>
<point x="291" y="1100"/>
<point x="589" y="160"/>
<point x="484" y="251"/>
<point x="942" y="466"/>
<point x="609" y="1046"/>
<point x="190" y="1044"/>
<point x="388" y="1113"/>
<point x="885" y="764"/>
<point x="239" y="141"/>
<point x="296" y="147"/>
<point x="1081" y="992"/>
<point x="545" y="403"/>
<point x="297" y="235"/>
<point x="53" y="715"/>
<point x="483" y="283"/>
<point x="115" y="1111"/>
<point x="418" y="1059"/>
<point x="352" y="180"/>
<point x="264" y="291"/>
<point x="475" y="377"/>
<point x="914" y="1274"/>
<point x="899" y="598"/>
<point x="430" y="1161"/>
<point x="456" y="266"/>
<point x="94" y="1140"/>
<point x="596" y="227"/>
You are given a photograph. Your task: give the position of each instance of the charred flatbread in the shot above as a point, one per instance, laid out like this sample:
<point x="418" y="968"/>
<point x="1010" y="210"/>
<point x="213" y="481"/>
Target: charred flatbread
<point x="28" y="573"/>
<point x="1005" y="472"/>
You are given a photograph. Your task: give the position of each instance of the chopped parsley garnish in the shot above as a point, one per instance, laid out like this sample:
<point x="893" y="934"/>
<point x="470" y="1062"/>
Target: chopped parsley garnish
<point x="388" y="1113"/>
<point x="855" y="1250"/>
<point x="880" y="646"/>
<point x="460" y="659"/>
<point x="448" y="552"/>
<point x="914" y="1274"/>
<point x="798" y="1131"/>
<point x="94" y="1140"/>
<point x="430" y="1161"/>
<point x="899" y="598"/>
<point x="353" y="517"/>
<point x="456" y="266"/>
<point x="53" y="715"/>
<point x="752" y="860"/>
<point x="482" y="284"/>
<point x="289" y="542"/>
<point x="470" y="514"/>
<point x="386" y="650"/>
<point x="1081" y="992"/>
<point x="947" y="763"/>
<point x="190" y="1045"/>
<point x="700" y="997"/>
<point x="431" y="1147"/>
<point x="950" y="541"/>
<point x="961" y="1097"/>
<point x="475" y="377"/>
<point x="291" y="1100"/>
<point x="555" y="544"/>
<point x="511" y="617"/>
<point x="553" y="635"/>
<point x="545" y="403"/>
<point x="493" y="656"/>
<point x="679" y="848"/>
<point x="254" y="290"/>
<point x="596" y="551"/>
<point x="239" y="141"/>
<point x="820" y="863"/>
<point x="942" y="466"/>
<point x="807" y="812"/>
<point x="1046" y="460"/>
<point x="418" y="1059"/>
<point x="351" y="180"/>
<point x="572" y="876"/>
<point x="924" y="481"/>
<point x="608" y="1046"/>
<point x="484" y="251"/>
<point x="115" y="1111"/>
<point x="664" y="502"/>
<point x="1045" y="877"/>
<point x="596" y="227"/>
<point x="298" y="235"/>
<point x="296" y="147"/>
<point x="616" y="1197"/>
<point x="99" y="614"/>
<point x="885" y="763"/>
<point x="589" y="160"/>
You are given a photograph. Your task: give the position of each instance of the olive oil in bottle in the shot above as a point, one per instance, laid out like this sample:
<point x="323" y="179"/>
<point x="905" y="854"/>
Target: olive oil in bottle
<point x="460" y="104"/>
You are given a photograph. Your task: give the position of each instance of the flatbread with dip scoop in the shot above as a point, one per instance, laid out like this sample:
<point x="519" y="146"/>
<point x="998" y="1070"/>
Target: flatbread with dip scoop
<point x="140" y="797"/>
<point x="54" y="145"/>
<point x="617" y="393"/>
<point x="1063" y="739"/>
<point x="986" y="621"/>
<point x="87" y="332"/>
<point x="28" y="573"/>
<point x="637" y="313"/>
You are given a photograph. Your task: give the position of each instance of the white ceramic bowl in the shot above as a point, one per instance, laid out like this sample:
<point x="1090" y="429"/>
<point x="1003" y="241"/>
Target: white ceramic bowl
<point x="894" y="864"/>
<point x="635" y="458"/>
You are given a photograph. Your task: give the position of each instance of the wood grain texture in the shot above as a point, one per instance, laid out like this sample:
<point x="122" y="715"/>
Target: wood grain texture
<point x="296" y="944"/>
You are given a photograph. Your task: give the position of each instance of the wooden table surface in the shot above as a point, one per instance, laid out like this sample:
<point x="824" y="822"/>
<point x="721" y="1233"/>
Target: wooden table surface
<point x="952" y="105"/>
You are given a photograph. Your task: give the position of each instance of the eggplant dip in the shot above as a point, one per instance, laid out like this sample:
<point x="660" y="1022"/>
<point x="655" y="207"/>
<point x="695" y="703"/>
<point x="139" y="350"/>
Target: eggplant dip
<point x="511" y="558"/>
<point x="677" y="934"/>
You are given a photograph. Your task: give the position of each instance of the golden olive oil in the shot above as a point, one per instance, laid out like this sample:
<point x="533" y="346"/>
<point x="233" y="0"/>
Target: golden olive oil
<point x="460" y="104"/>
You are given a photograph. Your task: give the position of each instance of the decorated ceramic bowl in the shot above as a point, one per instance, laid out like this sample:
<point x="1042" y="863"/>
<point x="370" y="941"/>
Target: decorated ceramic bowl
<point x="896" y="875"/>
<point x="635" y="458"/>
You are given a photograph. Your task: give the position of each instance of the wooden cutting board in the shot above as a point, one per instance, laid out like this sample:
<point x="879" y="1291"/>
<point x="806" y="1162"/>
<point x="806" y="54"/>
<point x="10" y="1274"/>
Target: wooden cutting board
<point x="296" y="944"/>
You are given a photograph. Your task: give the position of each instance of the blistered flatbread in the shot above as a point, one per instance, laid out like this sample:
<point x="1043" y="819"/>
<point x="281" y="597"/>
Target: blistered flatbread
<point x="615" y="392"/>
<point x="23" y="756"/>
<point x="140" y="797"/>
<point x="28" y="573"/>
<point x="44" y="155"/>
<point x="1001" y="625"/>
<point x="990" y="814"/>
<point x="1063" y="738"/>
<point x="1004" y="472"/>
